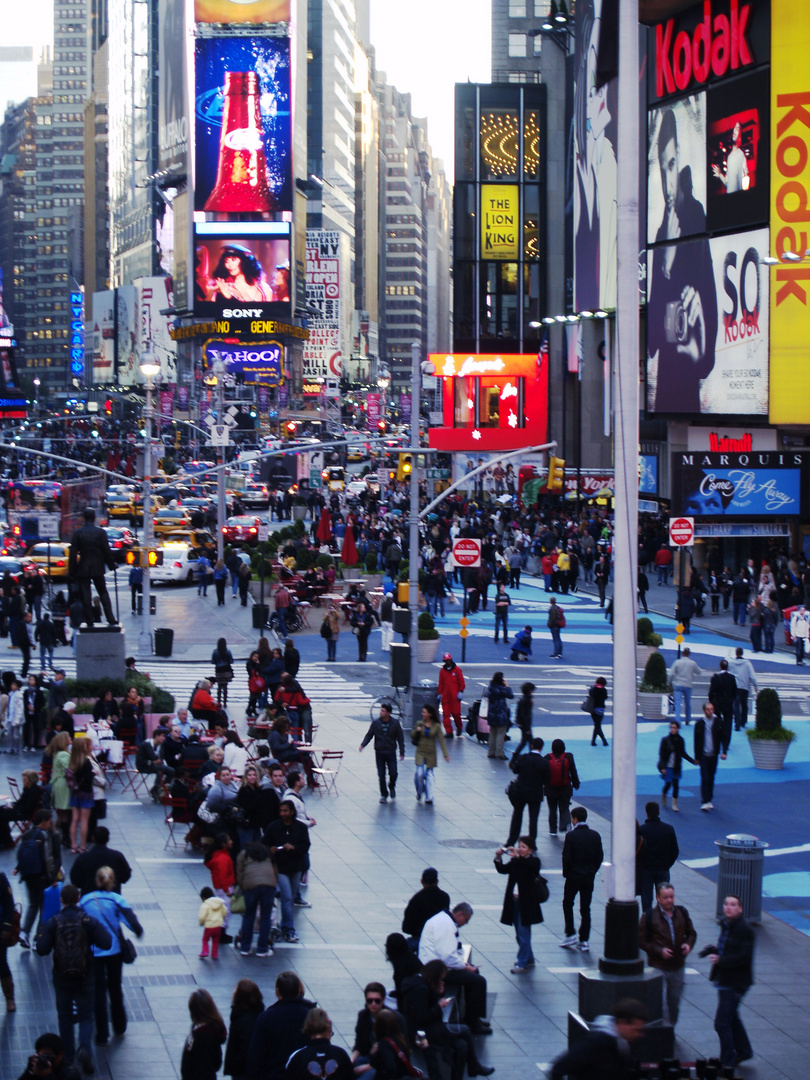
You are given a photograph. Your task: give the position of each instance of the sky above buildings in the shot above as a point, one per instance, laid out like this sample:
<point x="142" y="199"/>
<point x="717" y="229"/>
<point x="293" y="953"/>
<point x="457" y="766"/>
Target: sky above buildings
<point x="28" y="23"/>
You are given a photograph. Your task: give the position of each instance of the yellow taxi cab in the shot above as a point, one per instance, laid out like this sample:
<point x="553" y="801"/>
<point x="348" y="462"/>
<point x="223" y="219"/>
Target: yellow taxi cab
<point x="169" y="519"/>
<point x="118" y="505"/>
<point x="136" y="506"/>
<point x="334" y="477"/>
<point x="197" y="539"/>
<point x="52" y="558"/>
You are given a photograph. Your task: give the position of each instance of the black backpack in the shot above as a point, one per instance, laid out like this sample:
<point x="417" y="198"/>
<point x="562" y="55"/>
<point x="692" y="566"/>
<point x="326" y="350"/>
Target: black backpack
<point x="30" y="858"/>
<point x="71" y="947"/>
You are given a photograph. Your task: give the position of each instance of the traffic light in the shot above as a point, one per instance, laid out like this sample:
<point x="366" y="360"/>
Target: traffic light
<point x="392" y="475"/>
<point x="290" y="427"/>
<point x="154" y="557"/>
<point x="556" y="474"/>
<point x="133" y="557"/>
<point x="403" y="466"/>
<point x="108" y="406"/>
<point x="382" y="427"/>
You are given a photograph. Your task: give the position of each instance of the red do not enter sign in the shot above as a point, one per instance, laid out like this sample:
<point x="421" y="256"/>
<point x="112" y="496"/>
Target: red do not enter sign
<point x="467" y="552"/>
<point x="681" y="531"/>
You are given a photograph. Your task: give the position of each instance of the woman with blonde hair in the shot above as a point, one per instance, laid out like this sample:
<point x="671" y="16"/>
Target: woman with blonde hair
<point x="57" y="754"/>
<point x="79" y="777"/>
<point x="111" y="909"/>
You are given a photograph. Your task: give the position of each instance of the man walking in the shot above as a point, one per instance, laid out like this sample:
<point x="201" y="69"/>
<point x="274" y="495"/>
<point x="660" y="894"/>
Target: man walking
<point x="708" y="744"/>
<point x="70" y="935"/>
<point x="667" y="936"/>
<point x="800" y="630"/>
<point x="555" y="622"/>
<point x="387" y="735"/>
<point x="440" y="941"/>
<point x="451" y="688"/>
<point x="527" y="789"/>
<point x="283" y="601"/>
<point x="682" y="676"/>
<point x="85" y="866"/>
<point x="732" y="973"/>
<point x="722" y="694"/>
<point x="745" y="677"/>
<point x="581" y="858"/>
<point x="658" y="853"/>
<point x="502" y="602"/>
<point x="562" y="780"/>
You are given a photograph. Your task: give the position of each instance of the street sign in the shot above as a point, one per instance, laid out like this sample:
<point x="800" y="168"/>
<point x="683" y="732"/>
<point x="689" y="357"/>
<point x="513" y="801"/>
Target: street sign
<point x="682" y="531"/>
<point x="438" y="474"/>
<point x="264" y="533"/>
<point x="679" y="638"/>
<point x="679" y="629"/>
<point x="220" y="435"/>
<point x="464" y="622"/>
<point x="467" y="552"/>
<point x="463" y="633"/>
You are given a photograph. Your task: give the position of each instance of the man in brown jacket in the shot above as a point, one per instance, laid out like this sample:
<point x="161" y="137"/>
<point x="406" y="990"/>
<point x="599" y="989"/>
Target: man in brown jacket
<point x="667" y="936"/>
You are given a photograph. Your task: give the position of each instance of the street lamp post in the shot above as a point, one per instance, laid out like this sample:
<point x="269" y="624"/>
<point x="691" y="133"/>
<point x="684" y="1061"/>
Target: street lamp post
<point x="219" y="372"/>
<point x="149" y="369"/>
<point x="413" y="514"/>
<point x="37" y="385"/>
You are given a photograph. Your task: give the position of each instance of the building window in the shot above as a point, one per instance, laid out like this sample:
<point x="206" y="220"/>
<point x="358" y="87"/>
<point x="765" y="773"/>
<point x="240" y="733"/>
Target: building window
<point x="517" y="44"/>
<point x="517" y="9"/>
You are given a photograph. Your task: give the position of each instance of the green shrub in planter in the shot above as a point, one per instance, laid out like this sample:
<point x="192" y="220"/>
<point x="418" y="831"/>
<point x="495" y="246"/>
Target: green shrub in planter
<point x="371" y="562"/>
<point x="404" y="570"/>
<point x="303" y="560"/>
<point x="655" y="675"/>
<point x="769" y="719"/>
<point x="426" y="627"/>
<point x="162" y="700"/>
<point x="324" y="561"/>
<point x="298" y="527"/>
<point x="655" y="641"/>
<point x="644" y="628"/>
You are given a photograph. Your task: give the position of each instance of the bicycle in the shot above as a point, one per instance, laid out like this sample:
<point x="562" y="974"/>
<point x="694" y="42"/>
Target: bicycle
<point x="396" y="699"/>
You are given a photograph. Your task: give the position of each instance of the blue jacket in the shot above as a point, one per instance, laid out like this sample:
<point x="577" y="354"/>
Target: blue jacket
<point x="109" y="908"/>
<point x="498" y="709"/>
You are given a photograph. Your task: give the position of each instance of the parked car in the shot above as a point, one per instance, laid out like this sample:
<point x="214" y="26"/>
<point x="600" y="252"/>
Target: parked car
<point x="179" y="564"/>
<point x="243" y="529"/>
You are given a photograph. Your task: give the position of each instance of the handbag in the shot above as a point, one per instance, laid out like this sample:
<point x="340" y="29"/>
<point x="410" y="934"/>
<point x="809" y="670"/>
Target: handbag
<point x="326" y="630"/>
<point x="256" y="684"/>
<point x="483" y="708"/>
<point x="356" y="631"/>
<point x="206" y="814"/>
<point x="587" y="705"/>
<point x="511" y="791"/>
<point x="238" y="905"/>
<point x="416" y="735"/>
<point x="541" y="889"/>
<point x="10" y="934"/>
<point x="129" y="953"/>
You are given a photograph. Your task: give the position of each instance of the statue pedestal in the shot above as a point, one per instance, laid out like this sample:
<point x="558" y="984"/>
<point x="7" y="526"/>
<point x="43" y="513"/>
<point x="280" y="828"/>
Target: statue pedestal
<point x="100" y="652"/>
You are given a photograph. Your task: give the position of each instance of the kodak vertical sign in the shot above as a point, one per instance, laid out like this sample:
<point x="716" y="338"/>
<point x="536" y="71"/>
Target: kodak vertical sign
<point x="790" y="212"/>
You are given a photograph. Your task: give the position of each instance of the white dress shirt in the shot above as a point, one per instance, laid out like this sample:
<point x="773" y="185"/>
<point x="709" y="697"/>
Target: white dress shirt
<point x="440" y="941"/>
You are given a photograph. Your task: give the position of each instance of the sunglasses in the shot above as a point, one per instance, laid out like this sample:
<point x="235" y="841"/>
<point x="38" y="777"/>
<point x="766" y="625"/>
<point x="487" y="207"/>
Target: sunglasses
<point x="374" y="1001"/>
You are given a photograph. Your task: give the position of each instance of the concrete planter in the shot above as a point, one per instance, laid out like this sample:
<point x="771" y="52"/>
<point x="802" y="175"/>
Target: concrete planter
<point x="643" y="654"/>
<point x="426" y="651"/>
<point x="299" y="512"/>
<point x="652" y="706"/>
<point x="768" y="753"/>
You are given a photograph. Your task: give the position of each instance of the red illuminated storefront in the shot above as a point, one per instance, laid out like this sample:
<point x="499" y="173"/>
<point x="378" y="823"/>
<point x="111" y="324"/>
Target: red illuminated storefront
<point x="491" y="402"/>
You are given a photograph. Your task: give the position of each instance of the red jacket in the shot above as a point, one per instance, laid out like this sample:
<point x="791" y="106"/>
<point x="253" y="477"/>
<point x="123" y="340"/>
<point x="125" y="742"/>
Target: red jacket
<point x="663" y="557"/>
<point x="451" y="684"/>
<point x="203" y="700"/>
<point x="547" y="563"/>
<point x="223" y="875"/>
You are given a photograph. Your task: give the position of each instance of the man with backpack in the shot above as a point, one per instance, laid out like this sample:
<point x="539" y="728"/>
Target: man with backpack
<point x="555" y="623"/>
<point x="70" y="935"/>
<point x="38" y="863"/>
<point x="667" y="936"/>
<point x="563" y="778"/>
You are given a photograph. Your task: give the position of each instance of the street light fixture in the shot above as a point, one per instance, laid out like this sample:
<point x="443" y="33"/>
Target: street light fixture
<point x="150" y="370"/>
<point x="218" y="370"/>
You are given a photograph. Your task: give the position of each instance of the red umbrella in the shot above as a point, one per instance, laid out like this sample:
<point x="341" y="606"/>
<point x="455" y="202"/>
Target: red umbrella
<point x="349" y="550"/>
<point x="324" y="530"/>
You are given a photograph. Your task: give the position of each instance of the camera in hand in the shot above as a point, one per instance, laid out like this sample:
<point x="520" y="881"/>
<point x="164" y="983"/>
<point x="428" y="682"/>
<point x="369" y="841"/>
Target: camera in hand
<point x="676" y="325"/>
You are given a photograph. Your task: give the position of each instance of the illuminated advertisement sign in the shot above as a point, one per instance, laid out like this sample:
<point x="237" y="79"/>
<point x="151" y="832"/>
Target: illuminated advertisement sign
<point x="241" y="11"/>
<point x="172" y="88"/>
<point x="737" y="152"/>
<point x="595" y="132"/>
<point x="676" y="170"/>
<point x="648" y="474"/>
<point x="155" y="294"/>
<point x="765" y="484"/>
<point x="790" y="198"/>
<point x="242" y="272"/>
<point x="242" y="110"/>
<point x="707" y="42"/>
<point x="707" y="348"/>
<point x="322" y="353"/>
<point x="500" y="221"/>
<point x="256" y="361"/>
<point x="77" y="336"/>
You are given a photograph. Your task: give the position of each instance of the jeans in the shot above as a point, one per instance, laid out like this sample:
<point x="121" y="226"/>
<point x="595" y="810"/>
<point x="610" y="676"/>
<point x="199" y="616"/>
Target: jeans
<point x="523" y="936"/>
<point x="288" y="890"/>
<point x="739" y="611"/>
<point x="81" y="994"/>
<point x="331" y="647"/>
<point x="282" y="621"/>
<point x="36" y="888"/>
<point x="708" y="767"/>
<point x="597" y="716"/>
<point x="107" y="971"/>
<point x="768" y="632"/>
<point x="234" y="583"/>
<point x="46" y="650"/>
<point x="501" y="619"/>
<point x="423" y="782"/>
<point x="558" y="798"/>
<point x="740" y="709"/>
<point x="663" y="574"/>
<point x="683" y="693"/>
<point x="438" y="602"/>
<point x="584" y="887"/>
<point x="555" y="637"/>
<point x="262" y="897"/>
<point x="733" y="1036"/>
<point x="756" y="637"/>
<point x="673" y="992"/>
<point x="387" y="760"/>
<point x="800" y="650"/>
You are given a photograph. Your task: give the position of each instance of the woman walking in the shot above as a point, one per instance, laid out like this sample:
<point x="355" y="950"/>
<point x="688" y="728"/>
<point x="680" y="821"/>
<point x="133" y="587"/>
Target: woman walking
<point x="256" y="683"/>
<point x="362" y="622"/>
<point x="598" y="696"/>
<point x="79" y="776"/>
<point x="671" y="753"/>
<point x="220" y="580"/>
<point x="498" y="691"/>
<point x="330" y="630"/>
<point x="247" y="1005"/>
<point x="202" y="1051"/>
<point x="521" y="906"/>
<point x="523" y="716"/>
<point x="222" y="659"/>
<point x="111" y="909"/>
<point x="424" y="736"/>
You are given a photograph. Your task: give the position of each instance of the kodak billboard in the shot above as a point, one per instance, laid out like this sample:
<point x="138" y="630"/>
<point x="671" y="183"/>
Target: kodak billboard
<point x="790" y="212"/>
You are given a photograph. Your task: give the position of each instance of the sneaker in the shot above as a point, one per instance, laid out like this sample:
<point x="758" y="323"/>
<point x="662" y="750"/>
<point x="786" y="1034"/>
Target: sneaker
<point x="393" y="795"/>
<point x="554" y="834"/>
<point x="245" y="952"/>
<point x="291" y="937"/>
<point x="519" y="970"/>
<point x="264" y="955"/>
<point x="383" y="799"/>
<point x="299" y="901"/>
<point x="707" y="806"/>
<point x="569" y="942"/>
<point x="203" y="956"/>
<point x="25" y="941"/>
<point x="584" y="946"/>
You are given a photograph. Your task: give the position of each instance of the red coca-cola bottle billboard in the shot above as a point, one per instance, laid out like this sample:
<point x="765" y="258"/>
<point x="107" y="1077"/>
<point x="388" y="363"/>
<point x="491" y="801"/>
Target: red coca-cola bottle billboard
<point x="242" y="184"/>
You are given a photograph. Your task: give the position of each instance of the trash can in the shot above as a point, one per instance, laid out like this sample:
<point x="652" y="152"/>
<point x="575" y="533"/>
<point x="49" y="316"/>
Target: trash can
<point x="424" y="693"/>
<point x="740" y="873"/>
<point x="164" y="639"/>
<point x="261" y="613"/>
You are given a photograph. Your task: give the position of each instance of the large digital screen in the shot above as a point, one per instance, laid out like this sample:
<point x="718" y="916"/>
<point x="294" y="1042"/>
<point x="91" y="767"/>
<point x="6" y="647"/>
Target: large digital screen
<point x="241" y="11"/>
<point x="242" y="109"/>
<point x="242" y="273"/>
<point x="676" y="170"/>
<point x="172" y="88"/>
<point x="256" y="361"/>
<point x="737" y="153"/>
<point x="735" y="485"/>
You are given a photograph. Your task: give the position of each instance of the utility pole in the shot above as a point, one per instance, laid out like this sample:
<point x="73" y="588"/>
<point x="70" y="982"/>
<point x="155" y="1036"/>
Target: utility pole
<point x="219" y="371"/>
<point x="149" y="370"/>
<point x="413" y="514"/>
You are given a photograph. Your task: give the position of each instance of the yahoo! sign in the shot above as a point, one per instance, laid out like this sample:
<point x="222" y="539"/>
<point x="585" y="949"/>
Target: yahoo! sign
<point x="708" y="42"/>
